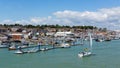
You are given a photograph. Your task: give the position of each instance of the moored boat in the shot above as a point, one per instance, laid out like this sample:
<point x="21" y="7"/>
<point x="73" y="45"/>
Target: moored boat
<point x="19" y="51"/>
<point x="13" y="47"/>
<point x="65" y="45"/>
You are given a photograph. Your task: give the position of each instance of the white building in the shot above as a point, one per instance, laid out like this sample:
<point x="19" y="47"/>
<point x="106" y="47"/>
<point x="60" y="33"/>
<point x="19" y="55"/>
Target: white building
<point x="50" y="34"/>
<point x="60" y="34"/>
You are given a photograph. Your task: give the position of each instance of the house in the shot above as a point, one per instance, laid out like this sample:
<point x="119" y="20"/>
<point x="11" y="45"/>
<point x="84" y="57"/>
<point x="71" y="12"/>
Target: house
<point x="50" y="33"/>
<point x="61" y="34"/>
<point x="16" y="36"/>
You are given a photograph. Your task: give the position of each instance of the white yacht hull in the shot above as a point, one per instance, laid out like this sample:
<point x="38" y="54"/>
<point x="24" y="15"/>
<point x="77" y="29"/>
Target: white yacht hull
<point x="84" y="54"/>
<point x="44" y="49"/>
<point x="18" y="52"/>
<point x="65" y="45"/>
<point x="3" y="46"/>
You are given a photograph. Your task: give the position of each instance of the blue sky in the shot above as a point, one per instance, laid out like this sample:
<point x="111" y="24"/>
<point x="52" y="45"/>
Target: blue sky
<point x="46" y="11"/>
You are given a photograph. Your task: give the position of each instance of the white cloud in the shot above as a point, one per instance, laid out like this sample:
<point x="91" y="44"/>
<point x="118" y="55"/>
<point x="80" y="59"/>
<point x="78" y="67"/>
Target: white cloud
<point x="38" y="20"/>
<point x="43" y="20"/>
<point x="7" y="21"/>
<point x="101" y="18"/>
<point x="105" y="17"/>
<point x="24" y="22"/>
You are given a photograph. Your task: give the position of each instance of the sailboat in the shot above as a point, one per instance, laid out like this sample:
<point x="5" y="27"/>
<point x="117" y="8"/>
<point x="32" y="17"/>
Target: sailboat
<point x="87" y="53"/>
<point x="19" y="51"/>
<point x="64" y="44"/>
<point x="34" y="50"/>
<point x="82" y="39"/>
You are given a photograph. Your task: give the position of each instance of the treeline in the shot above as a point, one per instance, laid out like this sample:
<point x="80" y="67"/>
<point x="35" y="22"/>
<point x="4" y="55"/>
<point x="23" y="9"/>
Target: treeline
<point x="85" y="27"/>
<point x="45" y="26"/>
<point x="35" y="26"/>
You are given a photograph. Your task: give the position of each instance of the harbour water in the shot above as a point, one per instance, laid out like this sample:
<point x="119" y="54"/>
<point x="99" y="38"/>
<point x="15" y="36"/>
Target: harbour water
<point x="106" y="55"/>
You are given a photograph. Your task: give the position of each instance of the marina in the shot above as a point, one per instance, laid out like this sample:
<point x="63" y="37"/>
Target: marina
<point x="104" y="53"/>
<point x="80" y="48"/>
<point x="60" y="33"/>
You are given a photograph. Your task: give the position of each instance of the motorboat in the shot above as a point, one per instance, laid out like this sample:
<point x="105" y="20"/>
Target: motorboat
<point x="33" y="50"/>
<point x="19" y="52"/>
<point x="44" y="49"/>
<point x="65" y="45"/>
<point x="3" y="46"/>
<point x="13" y="47"/>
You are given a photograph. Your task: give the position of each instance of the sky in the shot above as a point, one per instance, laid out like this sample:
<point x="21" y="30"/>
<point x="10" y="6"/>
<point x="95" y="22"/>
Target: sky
<point x="100" y="13"/>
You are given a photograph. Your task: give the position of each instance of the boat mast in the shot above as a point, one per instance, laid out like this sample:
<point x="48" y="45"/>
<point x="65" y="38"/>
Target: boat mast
<point x="90" y="44"/>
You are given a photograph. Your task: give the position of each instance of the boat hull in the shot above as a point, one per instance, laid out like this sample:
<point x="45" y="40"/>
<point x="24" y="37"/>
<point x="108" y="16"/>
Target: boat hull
<point x="84" y="54"/>
<point x="20" y="52"/>
<point x="65" y="45"/>
<point x="3" y="46"/>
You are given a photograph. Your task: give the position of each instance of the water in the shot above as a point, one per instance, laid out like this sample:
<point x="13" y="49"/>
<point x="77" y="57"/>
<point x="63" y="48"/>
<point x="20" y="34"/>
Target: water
<point x="106" y="56"/>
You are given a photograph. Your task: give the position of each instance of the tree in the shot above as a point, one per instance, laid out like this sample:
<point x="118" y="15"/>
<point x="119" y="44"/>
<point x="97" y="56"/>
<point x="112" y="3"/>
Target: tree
<point x="104" y="29"/>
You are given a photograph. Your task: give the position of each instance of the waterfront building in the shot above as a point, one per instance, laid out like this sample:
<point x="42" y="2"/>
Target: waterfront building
<point x="61" y="34"/>
<point x="16" y="36"/>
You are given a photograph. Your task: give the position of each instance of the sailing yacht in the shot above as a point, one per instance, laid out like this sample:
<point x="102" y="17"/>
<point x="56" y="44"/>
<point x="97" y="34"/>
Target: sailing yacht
<point x="64" y="44"/>
<point x="87" y="53"/>
<point x="19" y="51"/>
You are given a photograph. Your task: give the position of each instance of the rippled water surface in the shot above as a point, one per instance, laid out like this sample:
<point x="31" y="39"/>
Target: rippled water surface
<point x="106" y="55"/>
